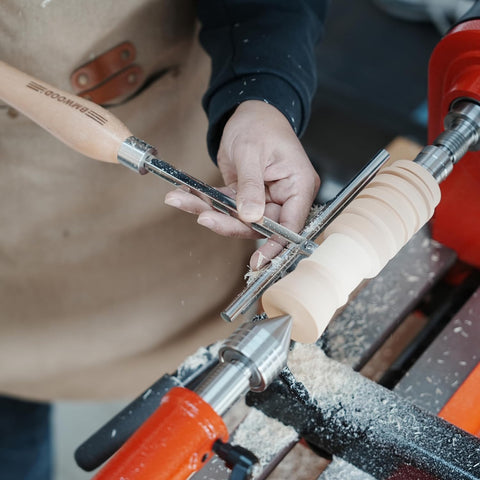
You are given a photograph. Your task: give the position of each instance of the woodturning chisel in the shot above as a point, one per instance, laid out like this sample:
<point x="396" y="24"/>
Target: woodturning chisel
<point x="96" y="133"/>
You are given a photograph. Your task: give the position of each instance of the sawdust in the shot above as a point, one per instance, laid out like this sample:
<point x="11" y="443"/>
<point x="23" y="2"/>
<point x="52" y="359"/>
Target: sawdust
<point x="201" y="357"/>
<point x="257" y="432"/>
<point x="323" y="378"/>
<point x="365" y="412"/>
<point x="314" y="211"/>
<point x="265" y="437"/>
<point x="339" y="468"/>
<point x="252" y="275"/>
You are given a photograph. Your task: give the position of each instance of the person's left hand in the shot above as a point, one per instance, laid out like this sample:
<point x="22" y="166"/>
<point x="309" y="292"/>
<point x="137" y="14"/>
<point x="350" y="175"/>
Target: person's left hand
<point x="266" y="170"/>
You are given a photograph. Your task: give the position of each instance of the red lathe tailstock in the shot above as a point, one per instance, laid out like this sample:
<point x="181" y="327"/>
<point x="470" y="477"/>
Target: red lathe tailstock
<point x="181" y="435"/>
<point x="175" y="442"/>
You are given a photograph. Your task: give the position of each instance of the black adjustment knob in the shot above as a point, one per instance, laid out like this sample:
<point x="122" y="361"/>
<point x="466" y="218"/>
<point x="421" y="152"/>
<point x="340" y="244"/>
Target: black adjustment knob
<point x="238" y="459"/>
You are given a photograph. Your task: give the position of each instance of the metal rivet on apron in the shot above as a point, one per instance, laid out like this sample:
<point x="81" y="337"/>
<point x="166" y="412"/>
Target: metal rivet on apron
<point x="82" y="79"/>
<point x="125" y="54"/>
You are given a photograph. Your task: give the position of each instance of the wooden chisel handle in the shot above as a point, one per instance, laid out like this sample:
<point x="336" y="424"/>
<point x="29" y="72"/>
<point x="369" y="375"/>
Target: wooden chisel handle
<point x="82" y="125"/>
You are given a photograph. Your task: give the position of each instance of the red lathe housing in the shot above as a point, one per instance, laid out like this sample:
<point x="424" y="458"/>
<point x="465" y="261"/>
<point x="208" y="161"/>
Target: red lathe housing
<point x="454" y="73"/>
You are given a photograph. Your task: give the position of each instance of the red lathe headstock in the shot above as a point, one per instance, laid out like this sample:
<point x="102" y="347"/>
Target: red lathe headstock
<point x="454" y="73"/>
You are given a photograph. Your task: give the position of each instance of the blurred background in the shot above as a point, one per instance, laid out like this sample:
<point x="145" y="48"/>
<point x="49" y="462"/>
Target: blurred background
<point x="372" y="80"/>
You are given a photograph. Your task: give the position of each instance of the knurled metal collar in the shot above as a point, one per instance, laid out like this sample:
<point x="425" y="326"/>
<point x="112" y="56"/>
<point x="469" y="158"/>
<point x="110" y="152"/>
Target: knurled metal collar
<point x="133" y="153"/>
<point x="464" y="115"/>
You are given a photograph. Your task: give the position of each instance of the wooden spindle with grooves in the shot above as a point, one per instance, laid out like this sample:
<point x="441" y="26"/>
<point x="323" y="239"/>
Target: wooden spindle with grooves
<point x="357" y="245"/>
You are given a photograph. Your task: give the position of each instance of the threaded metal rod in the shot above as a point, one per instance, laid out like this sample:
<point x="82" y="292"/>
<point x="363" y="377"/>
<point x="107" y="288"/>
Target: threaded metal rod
<point x="462" y="133"/>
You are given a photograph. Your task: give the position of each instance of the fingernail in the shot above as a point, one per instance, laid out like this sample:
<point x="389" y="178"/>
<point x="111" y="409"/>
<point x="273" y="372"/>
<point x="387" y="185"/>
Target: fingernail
<point x="206" y="222"/>
<point x="173" y="202"/>
<point x="251" y="212"/>
<point x="258" y="261"/>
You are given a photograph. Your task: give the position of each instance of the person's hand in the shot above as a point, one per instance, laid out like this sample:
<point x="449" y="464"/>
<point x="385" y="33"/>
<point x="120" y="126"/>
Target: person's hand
<point x="266" y="169"/>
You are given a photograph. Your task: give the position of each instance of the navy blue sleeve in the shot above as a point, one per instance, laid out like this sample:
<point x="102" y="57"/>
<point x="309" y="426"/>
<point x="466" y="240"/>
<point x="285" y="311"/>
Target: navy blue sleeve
<point x="260" y="50"/>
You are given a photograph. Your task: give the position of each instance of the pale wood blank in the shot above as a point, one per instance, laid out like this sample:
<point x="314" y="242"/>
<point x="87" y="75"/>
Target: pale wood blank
<point x="356" y="246"/>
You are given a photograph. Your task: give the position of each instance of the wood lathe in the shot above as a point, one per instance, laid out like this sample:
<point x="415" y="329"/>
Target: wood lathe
<point x="173" y="428"/>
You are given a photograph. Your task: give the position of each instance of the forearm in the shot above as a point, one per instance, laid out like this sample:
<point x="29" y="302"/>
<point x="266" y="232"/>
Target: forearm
<point x="261" y="50"/>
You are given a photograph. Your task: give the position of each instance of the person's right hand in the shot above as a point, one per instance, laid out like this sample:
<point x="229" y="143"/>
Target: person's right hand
<point x="266" y="169"/>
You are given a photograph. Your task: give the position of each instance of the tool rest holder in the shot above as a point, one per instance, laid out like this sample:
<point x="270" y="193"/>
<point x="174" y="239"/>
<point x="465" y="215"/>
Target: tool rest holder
<point x="357" y="245"/>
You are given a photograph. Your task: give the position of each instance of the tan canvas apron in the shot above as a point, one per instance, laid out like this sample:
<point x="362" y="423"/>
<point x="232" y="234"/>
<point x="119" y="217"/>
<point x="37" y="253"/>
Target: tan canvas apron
<point x="102" y="287"/>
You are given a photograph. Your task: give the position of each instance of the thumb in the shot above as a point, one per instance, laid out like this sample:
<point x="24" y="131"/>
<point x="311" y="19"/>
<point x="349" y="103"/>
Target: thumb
<point x="250" y="188"/>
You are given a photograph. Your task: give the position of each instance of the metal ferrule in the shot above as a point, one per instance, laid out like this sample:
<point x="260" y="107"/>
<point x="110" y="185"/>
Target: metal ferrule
<point x="133" y="153"/>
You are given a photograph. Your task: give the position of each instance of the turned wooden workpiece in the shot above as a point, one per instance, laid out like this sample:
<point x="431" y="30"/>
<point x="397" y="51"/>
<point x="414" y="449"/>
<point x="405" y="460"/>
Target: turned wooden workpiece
<point x="357" y="245"/>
